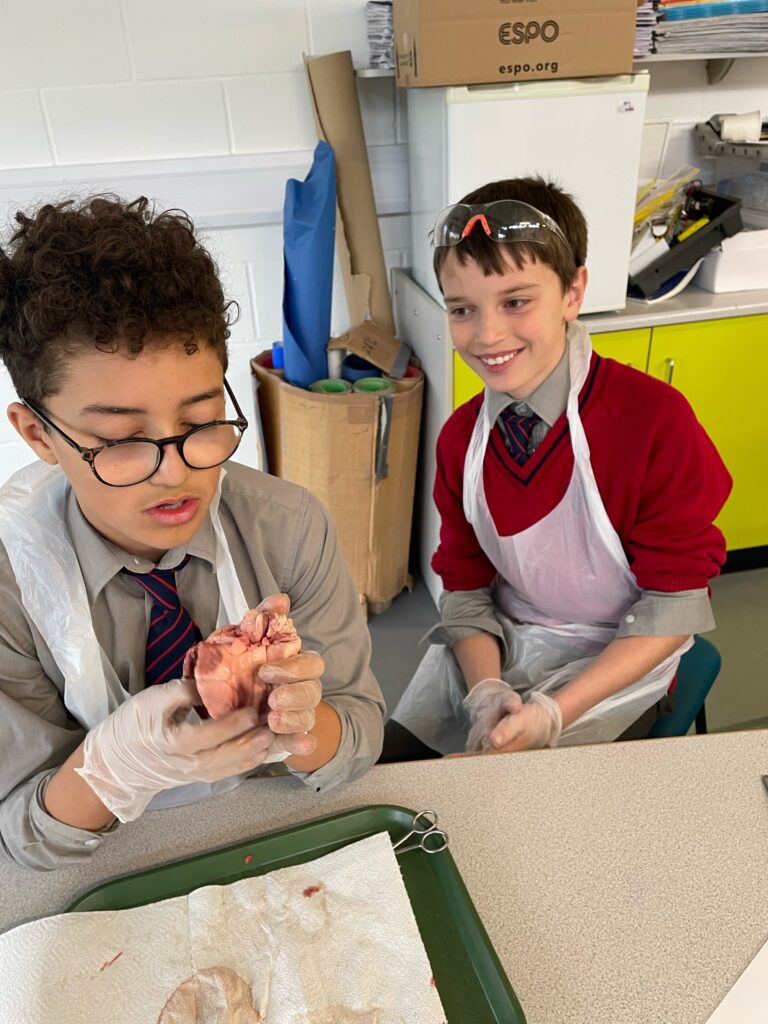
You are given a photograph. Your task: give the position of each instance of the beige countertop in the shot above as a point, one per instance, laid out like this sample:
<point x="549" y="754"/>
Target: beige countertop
<point x="690" y="305"/>
<point x="619" y="884"/>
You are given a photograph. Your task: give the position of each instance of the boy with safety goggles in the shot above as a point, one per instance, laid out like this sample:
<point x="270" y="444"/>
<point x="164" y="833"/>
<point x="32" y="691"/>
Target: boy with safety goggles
<point x="134" y="536"/>
<point x="577" y="499"/>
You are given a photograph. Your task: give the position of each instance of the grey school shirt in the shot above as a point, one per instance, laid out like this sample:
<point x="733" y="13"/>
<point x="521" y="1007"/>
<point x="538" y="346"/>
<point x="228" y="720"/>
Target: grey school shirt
<point x="282" y="541"/>
<point x="655" y="613"/>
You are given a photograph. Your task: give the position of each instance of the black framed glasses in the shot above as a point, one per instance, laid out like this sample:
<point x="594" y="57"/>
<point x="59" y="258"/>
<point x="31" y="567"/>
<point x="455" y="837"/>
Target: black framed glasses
<point x="136" y="459"/>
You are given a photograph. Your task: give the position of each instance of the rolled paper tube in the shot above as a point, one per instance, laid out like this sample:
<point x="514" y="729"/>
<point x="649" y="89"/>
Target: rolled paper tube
<point x="330" y="386"/>
<point x="374" y="386"/>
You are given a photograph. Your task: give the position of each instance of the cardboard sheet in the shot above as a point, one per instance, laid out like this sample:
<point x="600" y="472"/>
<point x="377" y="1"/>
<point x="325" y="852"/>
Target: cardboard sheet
<point x="336" y="108"/>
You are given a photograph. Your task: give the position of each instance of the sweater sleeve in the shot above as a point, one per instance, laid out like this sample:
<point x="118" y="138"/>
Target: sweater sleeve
<point x="673" y="544"/>
<point x="459" y="560"/>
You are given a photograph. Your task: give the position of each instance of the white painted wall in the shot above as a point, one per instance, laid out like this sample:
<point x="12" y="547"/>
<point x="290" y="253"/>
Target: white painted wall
<point x="202" y="103"/>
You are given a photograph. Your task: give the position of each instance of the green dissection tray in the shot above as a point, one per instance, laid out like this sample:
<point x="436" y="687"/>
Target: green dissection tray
<point x="472" y="984"/>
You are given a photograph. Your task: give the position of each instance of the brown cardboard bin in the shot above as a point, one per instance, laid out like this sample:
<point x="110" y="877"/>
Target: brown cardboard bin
<point x="357" y="453"/>
<point x="476" y="42"/>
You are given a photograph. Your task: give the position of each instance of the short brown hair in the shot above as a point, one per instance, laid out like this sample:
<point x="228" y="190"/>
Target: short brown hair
<point x="106" y="274"/>
<point x="544" y="196"/>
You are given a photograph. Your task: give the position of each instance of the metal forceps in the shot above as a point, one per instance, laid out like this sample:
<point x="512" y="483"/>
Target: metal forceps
<point x="425" y="834"/>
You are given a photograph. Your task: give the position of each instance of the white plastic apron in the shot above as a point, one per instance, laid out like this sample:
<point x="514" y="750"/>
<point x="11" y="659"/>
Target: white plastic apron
<point x="562" y="588"/>
<point x="32" y="515"/>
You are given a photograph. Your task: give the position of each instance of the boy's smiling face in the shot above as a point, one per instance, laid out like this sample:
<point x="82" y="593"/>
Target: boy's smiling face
<point x="510" y="328"/>
<point x="161" y="392"/>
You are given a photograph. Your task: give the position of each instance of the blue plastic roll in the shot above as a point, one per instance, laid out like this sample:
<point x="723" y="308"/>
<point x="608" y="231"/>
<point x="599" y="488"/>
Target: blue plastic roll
<point x="354" y="368"/>
<point x="309" y="228"/>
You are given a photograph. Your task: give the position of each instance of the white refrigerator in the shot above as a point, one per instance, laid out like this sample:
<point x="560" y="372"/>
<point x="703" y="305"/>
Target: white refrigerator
<point x="583" y="133"/>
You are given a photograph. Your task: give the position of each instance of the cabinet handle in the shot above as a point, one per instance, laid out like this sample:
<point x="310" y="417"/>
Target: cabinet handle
<point x="670" y="370"/>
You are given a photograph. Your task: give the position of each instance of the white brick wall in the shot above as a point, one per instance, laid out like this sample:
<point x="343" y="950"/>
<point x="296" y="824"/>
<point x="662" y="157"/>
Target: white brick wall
<point x="215" y="91"/>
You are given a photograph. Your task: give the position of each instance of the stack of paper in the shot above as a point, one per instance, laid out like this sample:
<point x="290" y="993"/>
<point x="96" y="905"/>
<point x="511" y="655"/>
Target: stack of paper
<point x="381" y="39"/>
<point x="644" y="26"/>
<point x="722" y="26"/>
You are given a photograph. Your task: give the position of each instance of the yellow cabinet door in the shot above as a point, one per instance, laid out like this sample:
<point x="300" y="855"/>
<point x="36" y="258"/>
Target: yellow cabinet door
<point x="466" y="383"/>
<point x="630" y="347"/>
<point x="721" y="366"/>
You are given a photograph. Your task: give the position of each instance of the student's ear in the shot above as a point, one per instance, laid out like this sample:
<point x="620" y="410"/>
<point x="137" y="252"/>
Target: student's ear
<point x="574" y="297"/>
<point x="29" y="427"/>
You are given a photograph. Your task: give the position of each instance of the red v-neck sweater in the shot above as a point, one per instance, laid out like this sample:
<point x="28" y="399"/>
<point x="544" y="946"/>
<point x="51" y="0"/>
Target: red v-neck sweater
<point x="660" y="477"/>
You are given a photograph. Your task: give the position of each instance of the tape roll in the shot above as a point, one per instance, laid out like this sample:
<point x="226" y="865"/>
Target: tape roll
<point x="330" y="386"/>
<point x="374" y="386"/>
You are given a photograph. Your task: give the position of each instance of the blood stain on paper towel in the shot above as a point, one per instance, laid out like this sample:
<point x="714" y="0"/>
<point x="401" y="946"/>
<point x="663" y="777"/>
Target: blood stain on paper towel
<point x="108" y="963"/>
<point x="312" y="889"/>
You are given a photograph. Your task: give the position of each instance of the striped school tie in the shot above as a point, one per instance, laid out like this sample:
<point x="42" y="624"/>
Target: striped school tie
<point x="516" y="431"/>
<point x="171" y="629"/>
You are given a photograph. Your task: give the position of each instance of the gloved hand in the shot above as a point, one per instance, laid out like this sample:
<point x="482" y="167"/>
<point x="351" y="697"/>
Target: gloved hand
<point x="147" y="745"/>
<point x="487" y="706"/>
<point x="537" y="723"/>
<point x="296" y="692"/>
<point x="502" y="722"/>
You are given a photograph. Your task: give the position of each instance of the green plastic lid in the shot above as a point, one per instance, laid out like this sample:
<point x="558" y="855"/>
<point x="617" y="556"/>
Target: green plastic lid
<point x="330" y="386"/>
<point x="374" y="386"/>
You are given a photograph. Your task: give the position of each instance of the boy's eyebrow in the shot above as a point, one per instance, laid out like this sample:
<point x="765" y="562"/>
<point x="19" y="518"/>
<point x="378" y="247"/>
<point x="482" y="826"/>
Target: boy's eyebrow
<point x="130" y="410"/>
<point x="507" y="291"/>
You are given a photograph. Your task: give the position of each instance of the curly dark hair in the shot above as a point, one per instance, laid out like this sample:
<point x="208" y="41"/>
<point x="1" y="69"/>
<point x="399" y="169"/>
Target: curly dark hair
<point x="107" y="274"/>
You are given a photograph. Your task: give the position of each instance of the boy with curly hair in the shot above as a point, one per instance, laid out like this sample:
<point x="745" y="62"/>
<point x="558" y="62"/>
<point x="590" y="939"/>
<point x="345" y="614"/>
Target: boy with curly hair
<point x="576" y="495"/>
<point x="134" y="535"/>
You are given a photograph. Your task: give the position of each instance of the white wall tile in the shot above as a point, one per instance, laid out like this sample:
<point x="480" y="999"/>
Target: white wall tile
<point x="652" y="147"/>
<point x="265" y="278"/>
<point x="377" y="106"/>
<point x="188" y="38"/>
<point x="52" y="42"/>
<point x="339" y="25"/>
<point x="23" y="138"/>
<point x="270" y="113"/>
<point x="137" y="121"/>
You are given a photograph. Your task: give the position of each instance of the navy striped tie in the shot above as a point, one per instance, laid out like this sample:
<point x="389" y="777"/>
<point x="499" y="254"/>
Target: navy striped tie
<point x="171" y="629"/>
<point x="516" y="431"/>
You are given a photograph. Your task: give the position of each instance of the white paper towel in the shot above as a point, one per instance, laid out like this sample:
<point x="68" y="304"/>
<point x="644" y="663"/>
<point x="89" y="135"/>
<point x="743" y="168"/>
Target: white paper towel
<point x="333" y="941"/>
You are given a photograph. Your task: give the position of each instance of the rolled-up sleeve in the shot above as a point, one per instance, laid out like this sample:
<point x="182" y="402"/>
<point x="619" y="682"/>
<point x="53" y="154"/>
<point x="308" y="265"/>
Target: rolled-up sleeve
<point x="463" y="613"/>
<point x="658" y="613"/>
<point x="328" y="616"/>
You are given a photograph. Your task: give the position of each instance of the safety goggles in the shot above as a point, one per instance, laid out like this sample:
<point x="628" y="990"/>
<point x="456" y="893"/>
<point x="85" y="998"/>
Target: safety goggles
<point x="505" y="220"/>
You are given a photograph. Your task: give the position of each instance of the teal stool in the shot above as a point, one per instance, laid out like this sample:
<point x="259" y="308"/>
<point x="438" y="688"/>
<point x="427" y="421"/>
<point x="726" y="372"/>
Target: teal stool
<point x="697" y="672"/>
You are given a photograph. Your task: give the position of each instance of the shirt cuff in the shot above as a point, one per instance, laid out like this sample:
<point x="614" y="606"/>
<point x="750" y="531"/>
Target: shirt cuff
<point x="354" y="756"/>
<point x="464" y="613"/>
<point x="658" y="613"/>
<point x="50" y="842"/>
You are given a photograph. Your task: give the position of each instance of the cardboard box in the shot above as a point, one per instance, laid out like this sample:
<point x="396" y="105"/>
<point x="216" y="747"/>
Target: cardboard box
<point x="377" y="346"/>
<point x="357" y="453"/>
<point x="475" y="42"/>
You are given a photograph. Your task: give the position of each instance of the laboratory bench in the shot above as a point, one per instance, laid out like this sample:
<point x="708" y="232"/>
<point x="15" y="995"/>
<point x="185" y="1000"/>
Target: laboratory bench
<point x="619" y="883"/>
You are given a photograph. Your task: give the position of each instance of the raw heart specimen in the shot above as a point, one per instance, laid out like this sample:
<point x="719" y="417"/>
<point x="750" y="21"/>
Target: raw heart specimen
<point x="225" y="666"/>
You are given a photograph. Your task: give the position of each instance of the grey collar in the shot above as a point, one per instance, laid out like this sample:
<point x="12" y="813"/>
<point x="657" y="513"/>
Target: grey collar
<point x="548" y="401"/>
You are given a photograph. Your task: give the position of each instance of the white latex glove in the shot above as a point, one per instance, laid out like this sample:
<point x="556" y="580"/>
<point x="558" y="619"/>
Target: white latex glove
<point x="487" y="706"/>
<point x="502" y="722"/>
<point x="296" y="692"/>
<point x="147" y="746"/>
<point x="537" y="723"/>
